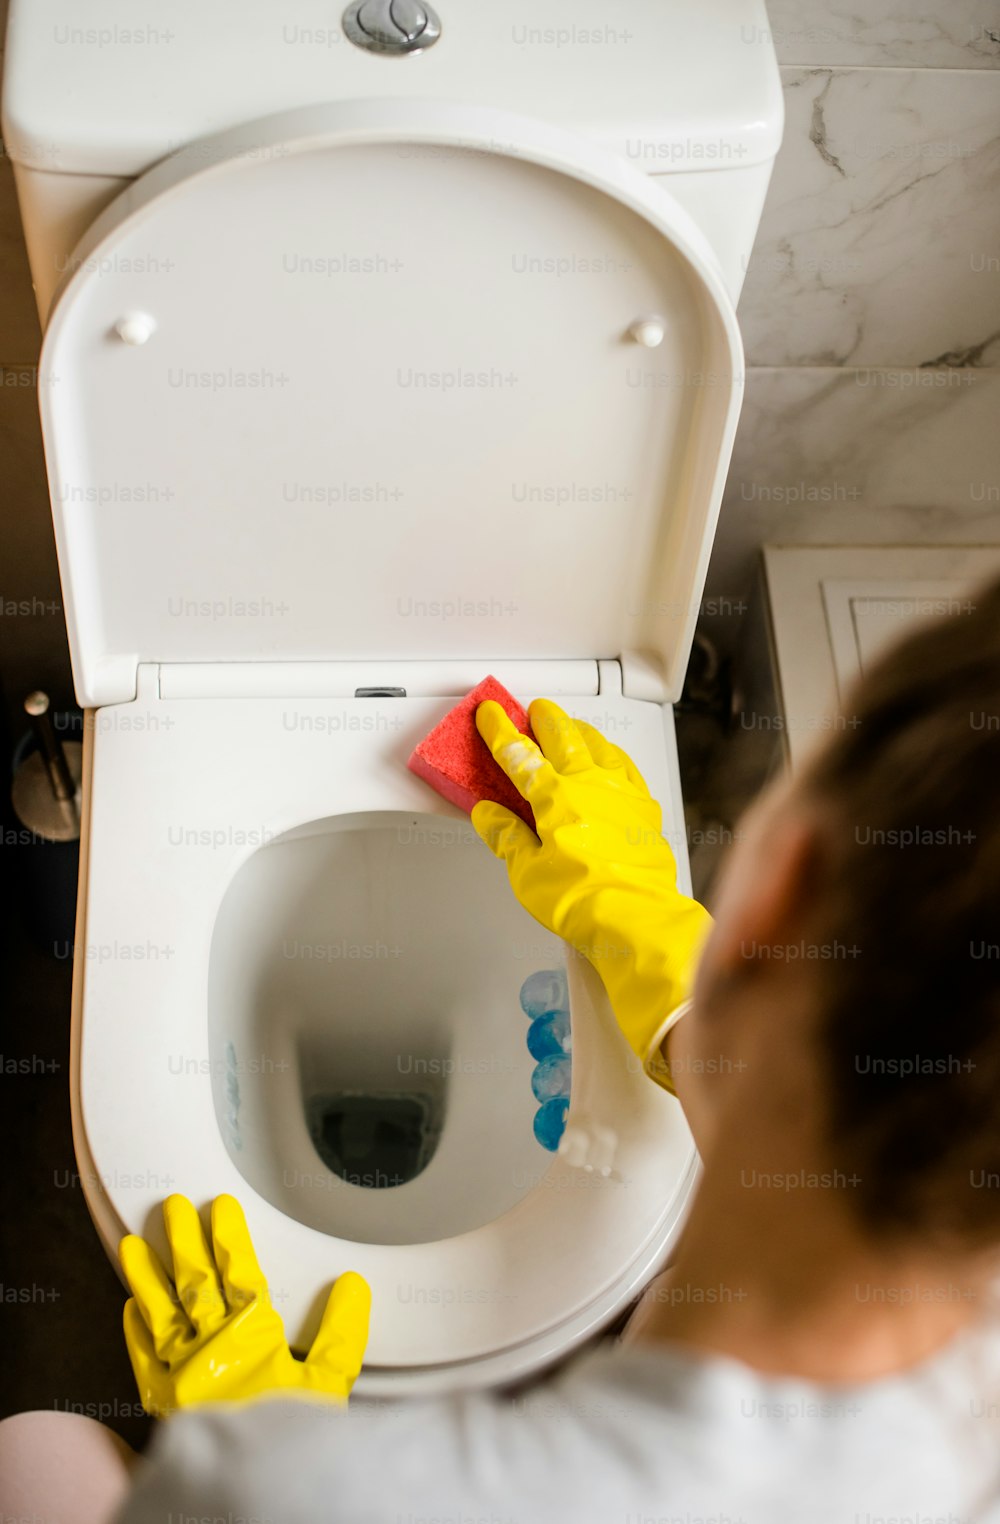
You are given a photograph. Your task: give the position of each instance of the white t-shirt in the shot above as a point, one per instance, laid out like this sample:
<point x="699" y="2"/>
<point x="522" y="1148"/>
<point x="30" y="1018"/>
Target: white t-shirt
<point x="643" y="1435"/>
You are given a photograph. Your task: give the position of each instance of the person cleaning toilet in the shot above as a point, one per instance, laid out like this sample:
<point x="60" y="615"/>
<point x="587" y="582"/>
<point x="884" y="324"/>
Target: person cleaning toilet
<point x="826" y="1344"/>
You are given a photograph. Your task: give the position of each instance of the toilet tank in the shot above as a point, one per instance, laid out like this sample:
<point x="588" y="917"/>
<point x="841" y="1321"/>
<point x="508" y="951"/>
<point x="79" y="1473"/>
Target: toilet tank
<point x="95" y="94"/>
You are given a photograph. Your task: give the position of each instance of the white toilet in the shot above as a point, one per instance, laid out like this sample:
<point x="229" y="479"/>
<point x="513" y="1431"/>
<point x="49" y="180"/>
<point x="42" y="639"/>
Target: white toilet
<point x="353" y="393"/>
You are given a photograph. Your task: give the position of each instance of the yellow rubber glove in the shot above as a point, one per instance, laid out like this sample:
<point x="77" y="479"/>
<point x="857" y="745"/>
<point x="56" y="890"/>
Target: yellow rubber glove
<point x="212" y="1335"/>
<point x="598" y="873"/>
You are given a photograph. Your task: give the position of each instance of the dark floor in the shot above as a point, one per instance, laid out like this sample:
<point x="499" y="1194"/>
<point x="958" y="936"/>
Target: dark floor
<point x="60" y="1319"/>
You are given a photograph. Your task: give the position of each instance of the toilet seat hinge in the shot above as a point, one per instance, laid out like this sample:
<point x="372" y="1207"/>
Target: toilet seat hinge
<point x="560" y="678"/>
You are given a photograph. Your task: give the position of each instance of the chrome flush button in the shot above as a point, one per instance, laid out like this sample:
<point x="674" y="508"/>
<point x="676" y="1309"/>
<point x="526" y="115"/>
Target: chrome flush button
<point x="392" y="26"/>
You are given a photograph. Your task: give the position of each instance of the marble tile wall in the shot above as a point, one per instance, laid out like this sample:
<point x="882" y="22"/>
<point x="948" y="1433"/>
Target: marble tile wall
<point x="871" y="309"/>
<point x="939" y="34"/>
<point x="879" y="241"/>
<point x="849" y="456"/>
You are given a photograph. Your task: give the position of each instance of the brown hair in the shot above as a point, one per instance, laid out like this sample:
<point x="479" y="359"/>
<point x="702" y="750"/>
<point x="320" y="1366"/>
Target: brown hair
<point x="909" y="790"/>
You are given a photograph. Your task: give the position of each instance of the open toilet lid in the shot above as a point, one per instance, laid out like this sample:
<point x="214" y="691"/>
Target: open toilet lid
<point x="359" y="382"/>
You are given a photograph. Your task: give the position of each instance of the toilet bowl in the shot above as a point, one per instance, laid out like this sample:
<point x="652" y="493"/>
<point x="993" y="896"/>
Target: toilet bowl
<point x="344" y="1000"/>
<point x="359" y="395"/>
<point x="258" y="946"/>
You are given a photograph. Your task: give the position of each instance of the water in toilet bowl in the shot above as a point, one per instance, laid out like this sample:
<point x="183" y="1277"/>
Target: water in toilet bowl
<point x="375" y="1141"/>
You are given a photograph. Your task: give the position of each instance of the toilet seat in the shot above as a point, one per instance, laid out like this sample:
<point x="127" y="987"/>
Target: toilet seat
<point x="528" y="1291"/>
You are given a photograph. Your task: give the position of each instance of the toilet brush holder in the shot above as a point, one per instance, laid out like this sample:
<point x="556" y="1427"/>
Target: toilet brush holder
<point x="45" y="796"/>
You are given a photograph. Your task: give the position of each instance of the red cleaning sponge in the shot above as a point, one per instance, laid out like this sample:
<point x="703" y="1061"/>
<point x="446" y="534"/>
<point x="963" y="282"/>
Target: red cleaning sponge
<point x="455" y="760"/>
